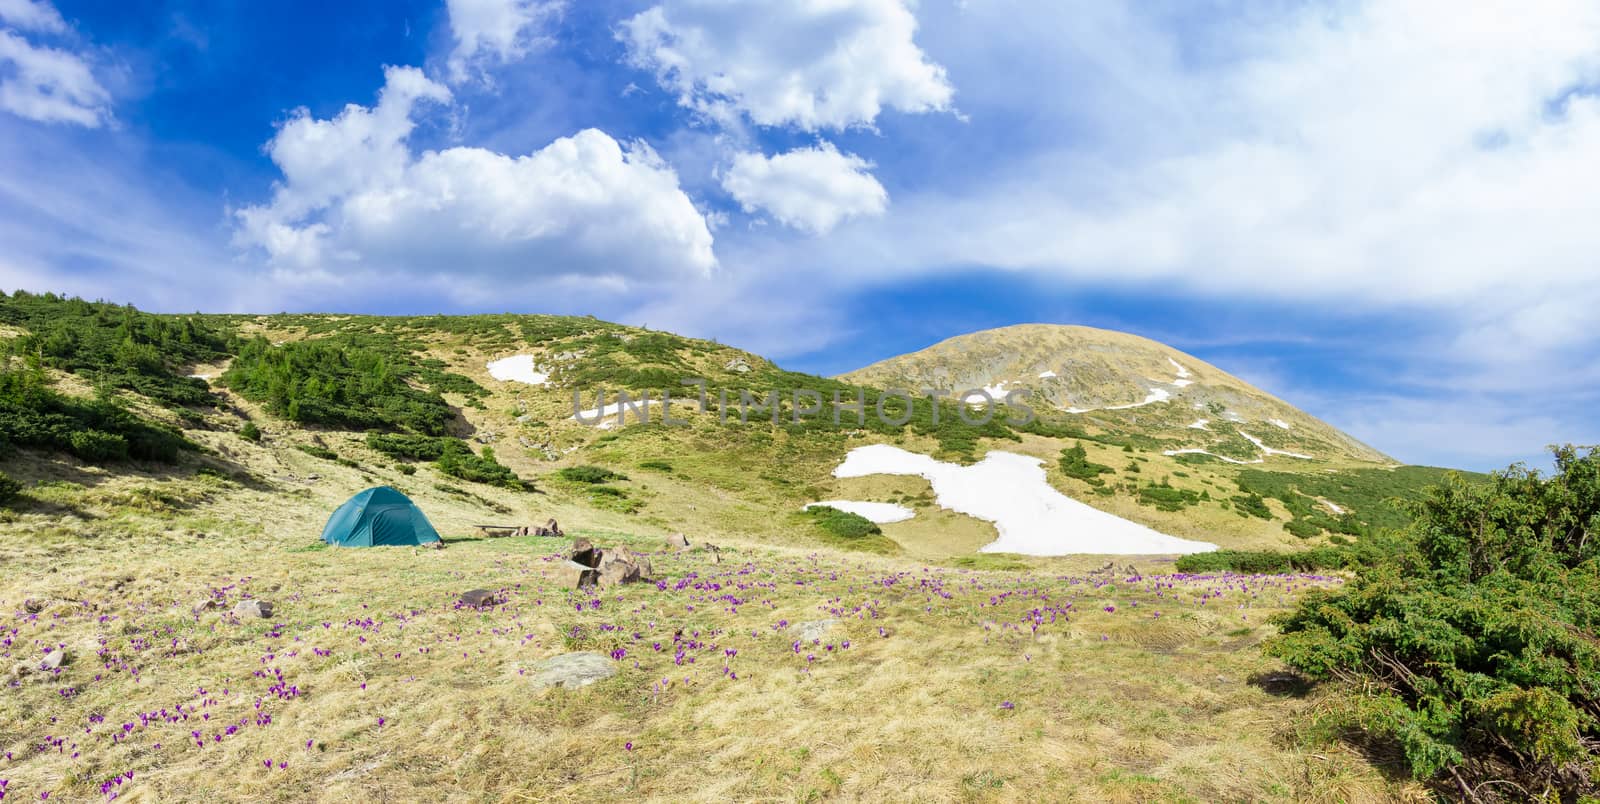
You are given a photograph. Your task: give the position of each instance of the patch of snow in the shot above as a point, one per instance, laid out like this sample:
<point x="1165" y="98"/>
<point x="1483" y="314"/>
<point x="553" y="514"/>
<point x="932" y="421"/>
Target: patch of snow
<point x="1155" y="395"/>
<point x="996" y="391"/>
<point x="519" y="368"/>
<point x="1199" y="406"/>
<point x="1183" y="374"/>
<point x="1279" y="423"/>
<point x="1332" y="506"/>
<point x="1270" y="451"/>
<point x="206" y="377"/>
<point x="1233" y="417"/>
<point x="1212" y="454"/>
<point x="881" y="513"/>
<point x="1199" y="424"/>
<point x="608" y="414"/>
<point x="1045" y="375"/>
<point x="1010" y="491"/>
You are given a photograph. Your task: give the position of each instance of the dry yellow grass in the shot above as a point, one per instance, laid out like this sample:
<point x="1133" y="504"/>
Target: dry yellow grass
<point x="1107" y="706"/>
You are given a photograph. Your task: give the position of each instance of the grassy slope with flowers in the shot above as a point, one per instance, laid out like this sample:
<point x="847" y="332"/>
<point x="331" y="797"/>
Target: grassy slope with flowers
<point x="371" y="681"/>
<point x="1107" y="701"/>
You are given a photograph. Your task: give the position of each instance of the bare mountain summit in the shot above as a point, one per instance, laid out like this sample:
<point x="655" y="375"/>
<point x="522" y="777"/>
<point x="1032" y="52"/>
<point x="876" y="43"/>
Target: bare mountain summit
<point x="1119" y="382"/>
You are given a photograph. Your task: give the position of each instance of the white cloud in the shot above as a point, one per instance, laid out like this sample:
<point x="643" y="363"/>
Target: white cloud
<point x="503" y="30"/>
<point x="354" y="197"/>
<point x="811" y="63"/>
<point x="42" y="83"/>
<point x="811" y="189"/>
<point x="32" y="15"/>
<point x="1304" y="159"/>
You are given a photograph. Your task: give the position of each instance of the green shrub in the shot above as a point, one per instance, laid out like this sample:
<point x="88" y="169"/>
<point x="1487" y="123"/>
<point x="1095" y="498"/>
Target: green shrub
<point x="479" y="468"/>
<point x="413" y="447"/>
<point x="336" y="384"/>
<point x="116" y="346"/>
<point x="1472" y="647"/>
<point x="318" y="452"/>
<point x="405" y="468"/>
<point x="96" y="430"/>
<point x="660" y="466"/>
<point x="10" y="489"/>
<point x="842" y="524"/>
<point x="1264" y="562"/>
<point x="1302" y="528"/>
<point x="590" y="474"/>
<point x="1166" y="497"/>
<point x="95" y="446"/>
<point x="250" y="432"/>
<point x="1248" y="505"/>
<point x="1075" y="464"/>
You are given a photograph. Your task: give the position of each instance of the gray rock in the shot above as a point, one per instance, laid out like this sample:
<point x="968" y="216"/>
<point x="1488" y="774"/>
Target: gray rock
<point x="617" y="569"/>
<point x="573" y="670"/>
<point x="677" y="541"/>
<point x="246" y="609"/>
<point x="478" y="598"/>
<point x="54" y="659"/>
<point x="584" y="553"/>
<point x="573" y="575"/>
<point x="812" y="630"/>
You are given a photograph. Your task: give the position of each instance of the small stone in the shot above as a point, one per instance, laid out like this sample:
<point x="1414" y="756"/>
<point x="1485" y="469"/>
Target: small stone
<point x="478" y="598"/>
<point x="677" y="541"/>
<point x="209" y="603"/>
<point x="53" y="660"/>
<point x="813" y="630"/>
<point x="573" y="670"/>
<point x="246" y="609"/>
<point x="33" y="606"/>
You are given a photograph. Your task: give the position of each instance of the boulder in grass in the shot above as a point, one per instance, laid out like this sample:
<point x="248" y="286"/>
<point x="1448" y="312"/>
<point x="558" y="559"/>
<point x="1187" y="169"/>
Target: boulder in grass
<point x="677" y="541"/>
<point x="617" y="569"/>
<point x="572" y="575"/>
<point x="553" y="529"/>
<point x="584" y="552"/>
<point x="252" y="608"/>
<point x="478" y="598"/>
<point x="573" y="670"/>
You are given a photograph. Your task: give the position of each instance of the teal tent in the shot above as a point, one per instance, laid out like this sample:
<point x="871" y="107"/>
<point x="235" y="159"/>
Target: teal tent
<point x="378" y="517"/>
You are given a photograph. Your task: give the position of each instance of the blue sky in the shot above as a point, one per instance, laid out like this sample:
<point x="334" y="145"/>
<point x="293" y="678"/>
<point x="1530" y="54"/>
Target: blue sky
<point x="1381" y="212"/>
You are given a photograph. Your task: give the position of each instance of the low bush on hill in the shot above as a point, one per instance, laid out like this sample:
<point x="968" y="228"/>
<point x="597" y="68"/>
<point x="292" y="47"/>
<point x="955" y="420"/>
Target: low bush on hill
<point x="94" y="430"/>
<point x="479" y="468"/>
<point x="1264" y="562"/>
<point x="1248" y="505"/>
<point x="1472" y="647"/>
<point x="312" y="382"/>
<point x="116" y="347"/>
<point x="1166" y="497"/>
<point x="10" y="489"/>
<point x="590" y="474"/>
<point x="842" y="524"/>
<point x="1075" y="464"/>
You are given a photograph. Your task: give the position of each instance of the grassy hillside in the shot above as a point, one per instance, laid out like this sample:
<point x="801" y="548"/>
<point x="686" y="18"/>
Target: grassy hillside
<point x="1133" y="684"/>
<point x="408" y="401"/>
